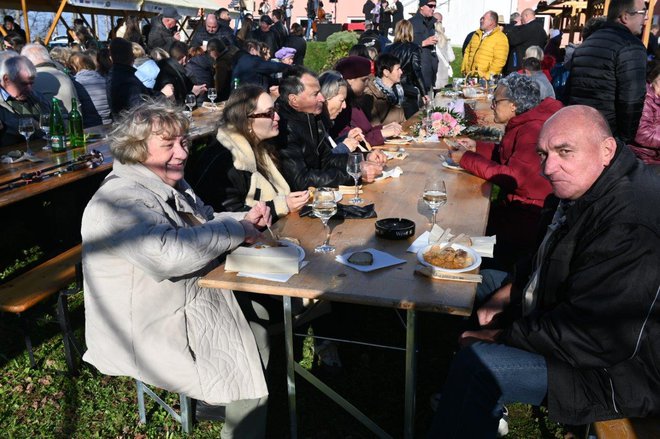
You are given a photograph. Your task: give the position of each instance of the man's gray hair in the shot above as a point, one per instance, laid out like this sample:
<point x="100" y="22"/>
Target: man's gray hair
<point x="522" y="90"/>
<point x="12" y="66"/>
<point x="36" y="53"/>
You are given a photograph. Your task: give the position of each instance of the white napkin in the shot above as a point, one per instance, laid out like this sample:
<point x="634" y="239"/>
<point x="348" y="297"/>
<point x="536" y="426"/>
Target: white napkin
<point x="481" y="244"/>
<point x="381" y="260"/>
<point x="271" y="277"/>
<point x="394" y="172"/>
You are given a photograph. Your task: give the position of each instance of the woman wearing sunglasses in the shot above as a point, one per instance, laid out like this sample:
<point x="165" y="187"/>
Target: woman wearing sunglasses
<point x="239" y="168"/>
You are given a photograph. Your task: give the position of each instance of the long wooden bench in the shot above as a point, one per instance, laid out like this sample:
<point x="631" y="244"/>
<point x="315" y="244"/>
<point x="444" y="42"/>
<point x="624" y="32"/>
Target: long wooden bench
<point x="634" y="428"/>
<point x="52" y="277"/>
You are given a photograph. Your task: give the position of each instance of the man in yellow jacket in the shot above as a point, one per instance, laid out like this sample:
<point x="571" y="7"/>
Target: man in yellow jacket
<point x="488" y="49"/>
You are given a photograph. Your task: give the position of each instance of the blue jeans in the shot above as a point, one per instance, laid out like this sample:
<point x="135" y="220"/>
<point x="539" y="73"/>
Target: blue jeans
<point x="309" y="28"/>
<point x="482" y="378"/>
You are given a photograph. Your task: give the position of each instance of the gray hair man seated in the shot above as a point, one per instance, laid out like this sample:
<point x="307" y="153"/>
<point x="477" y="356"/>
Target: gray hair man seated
<point x="17" y="98"/>
<point x="582" y="332"/>
<point x="306" y="157"/>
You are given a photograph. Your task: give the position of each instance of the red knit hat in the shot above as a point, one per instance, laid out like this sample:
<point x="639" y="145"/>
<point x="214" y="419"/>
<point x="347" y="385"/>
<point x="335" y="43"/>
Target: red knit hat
<point x="353" y="67"/>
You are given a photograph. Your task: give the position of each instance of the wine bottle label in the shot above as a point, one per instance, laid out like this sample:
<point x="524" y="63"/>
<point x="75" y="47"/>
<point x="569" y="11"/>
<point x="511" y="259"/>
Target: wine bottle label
<point x="57" y="143"/>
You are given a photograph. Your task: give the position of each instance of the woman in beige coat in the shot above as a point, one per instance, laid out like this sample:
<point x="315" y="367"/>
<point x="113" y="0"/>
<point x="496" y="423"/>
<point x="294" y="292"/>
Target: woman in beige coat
<point x="147" y="239"/>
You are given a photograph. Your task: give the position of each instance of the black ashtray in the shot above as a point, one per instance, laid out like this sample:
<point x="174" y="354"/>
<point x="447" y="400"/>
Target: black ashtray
<point x="395" y="228"/>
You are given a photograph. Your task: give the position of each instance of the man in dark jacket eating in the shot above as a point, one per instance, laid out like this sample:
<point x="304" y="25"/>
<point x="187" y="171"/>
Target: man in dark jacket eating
<point x="581" y="334"/>
<point x="305" y="154"/>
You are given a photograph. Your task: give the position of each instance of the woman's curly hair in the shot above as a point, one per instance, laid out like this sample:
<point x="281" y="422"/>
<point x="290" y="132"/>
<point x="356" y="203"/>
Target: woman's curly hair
<point x="129" y="136"/>
<point x="522" y="90"/>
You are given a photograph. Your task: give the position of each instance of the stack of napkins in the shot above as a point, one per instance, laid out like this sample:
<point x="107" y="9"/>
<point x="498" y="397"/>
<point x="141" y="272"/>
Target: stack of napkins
<point x="483" y="245"/>
<point x="273" y="260"/>
<point x="394" y="173"/>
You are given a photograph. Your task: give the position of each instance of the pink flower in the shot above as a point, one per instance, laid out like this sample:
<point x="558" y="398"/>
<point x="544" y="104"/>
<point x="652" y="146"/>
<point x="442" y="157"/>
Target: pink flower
<point x="447" y="117"/>
<point x="436" y="116"/>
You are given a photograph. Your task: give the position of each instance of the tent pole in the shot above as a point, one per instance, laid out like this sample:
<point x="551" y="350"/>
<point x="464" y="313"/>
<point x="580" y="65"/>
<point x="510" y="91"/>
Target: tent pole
<point x="26" y="21"/>
<point x="53" y="25"/>
<point x="648" y="24"/>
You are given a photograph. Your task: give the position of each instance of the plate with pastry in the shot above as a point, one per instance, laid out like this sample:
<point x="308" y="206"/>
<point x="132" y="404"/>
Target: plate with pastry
<point x="452" y="258"/>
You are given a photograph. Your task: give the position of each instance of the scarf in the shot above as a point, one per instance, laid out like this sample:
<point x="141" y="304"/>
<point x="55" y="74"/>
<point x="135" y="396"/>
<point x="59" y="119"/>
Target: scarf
<point x="394" y="95"/>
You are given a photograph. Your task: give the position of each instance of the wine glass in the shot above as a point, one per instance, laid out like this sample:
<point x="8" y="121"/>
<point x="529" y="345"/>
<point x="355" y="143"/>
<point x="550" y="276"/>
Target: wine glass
<point x="354" y="170"/>
<point x="212" y="95"/>
<point x="324" y="207"/>
<point x="190" y="101"/>
<point x="44" y="123"/>
<point x="26" y="128"/>
<point x="435" y="195"/>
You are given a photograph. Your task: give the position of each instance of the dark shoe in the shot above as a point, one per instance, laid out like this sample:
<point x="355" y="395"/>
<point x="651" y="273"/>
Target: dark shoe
<point x="208" y="412"/>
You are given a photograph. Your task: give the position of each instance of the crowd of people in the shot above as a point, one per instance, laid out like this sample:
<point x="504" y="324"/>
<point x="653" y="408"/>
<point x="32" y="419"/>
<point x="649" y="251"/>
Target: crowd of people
<point x="575" y="328"/>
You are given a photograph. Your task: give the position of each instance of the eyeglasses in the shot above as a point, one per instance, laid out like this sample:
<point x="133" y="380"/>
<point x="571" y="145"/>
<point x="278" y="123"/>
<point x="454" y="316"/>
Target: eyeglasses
<point x="270" y="114"/>
<point x="640" y="12"/>
<point x="494" y="102"/>
<point x="431" y="5"/>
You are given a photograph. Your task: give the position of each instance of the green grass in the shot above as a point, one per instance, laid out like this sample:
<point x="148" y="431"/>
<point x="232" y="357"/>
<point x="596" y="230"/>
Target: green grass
<point x="45" y="402"/>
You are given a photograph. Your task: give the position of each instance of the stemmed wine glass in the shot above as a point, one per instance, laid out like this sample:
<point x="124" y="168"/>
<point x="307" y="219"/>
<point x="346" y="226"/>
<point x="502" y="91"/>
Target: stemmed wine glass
<point x="190" y="102"/>
<point x="435" y="195"/>
<point x="44" y="124"/>
<point x="324" y="207"/>
<point x="354" y="170"/>
<point x="212" y="95"/>
<point x="26" y="128"/>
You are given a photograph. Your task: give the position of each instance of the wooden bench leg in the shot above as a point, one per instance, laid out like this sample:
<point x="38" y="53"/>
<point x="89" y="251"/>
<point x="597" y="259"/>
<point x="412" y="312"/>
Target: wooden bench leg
<point x="67" y="335"/>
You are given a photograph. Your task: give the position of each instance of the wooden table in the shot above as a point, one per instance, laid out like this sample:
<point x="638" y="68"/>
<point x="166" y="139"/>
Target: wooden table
<point x="205" y="123"/>
<point x="395" y="287"/>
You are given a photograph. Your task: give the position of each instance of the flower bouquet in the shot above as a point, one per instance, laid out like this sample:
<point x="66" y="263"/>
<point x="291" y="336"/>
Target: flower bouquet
<point x="441" y="121"/>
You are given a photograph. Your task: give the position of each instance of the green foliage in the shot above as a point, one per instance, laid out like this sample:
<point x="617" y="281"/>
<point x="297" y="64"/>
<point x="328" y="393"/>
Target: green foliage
<point x="339" y="44"/>
<point x="456" y="64"/>
<point x="29" y="256"/>
<point x="315" y="55"/>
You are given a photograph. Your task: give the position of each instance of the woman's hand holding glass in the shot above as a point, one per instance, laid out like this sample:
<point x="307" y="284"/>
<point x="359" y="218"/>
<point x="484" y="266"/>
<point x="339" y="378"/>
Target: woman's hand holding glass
<point x="296" y="200"/>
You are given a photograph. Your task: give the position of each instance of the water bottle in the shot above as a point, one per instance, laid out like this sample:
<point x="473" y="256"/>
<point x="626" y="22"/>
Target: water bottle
<point x="57" y="131"/>
<point x="76" y="133"/>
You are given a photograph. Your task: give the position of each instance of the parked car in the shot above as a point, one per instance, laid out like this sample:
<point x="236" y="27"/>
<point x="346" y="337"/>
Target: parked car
<point x="59" y="41"/>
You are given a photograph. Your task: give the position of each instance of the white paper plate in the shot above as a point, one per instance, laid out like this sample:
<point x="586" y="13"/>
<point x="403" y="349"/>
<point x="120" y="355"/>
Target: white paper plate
<point x="284" y="242"/>
<point x="381" y="260"/>
<point x="476" y="259"/>
<point x="454" y="166"/>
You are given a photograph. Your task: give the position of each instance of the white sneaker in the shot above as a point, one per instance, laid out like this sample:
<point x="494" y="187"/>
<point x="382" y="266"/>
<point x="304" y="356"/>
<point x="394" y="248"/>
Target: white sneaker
<point x="503" y="428"/>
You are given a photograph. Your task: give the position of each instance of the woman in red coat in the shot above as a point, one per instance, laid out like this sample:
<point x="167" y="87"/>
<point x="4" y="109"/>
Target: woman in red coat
<point x="513" y="165"/>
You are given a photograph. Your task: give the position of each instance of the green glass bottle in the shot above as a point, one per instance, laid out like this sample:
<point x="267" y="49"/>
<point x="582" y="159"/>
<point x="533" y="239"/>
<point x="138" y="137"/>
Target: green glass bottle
<point x="76" y="133"/>
<point x="57" y="131"/>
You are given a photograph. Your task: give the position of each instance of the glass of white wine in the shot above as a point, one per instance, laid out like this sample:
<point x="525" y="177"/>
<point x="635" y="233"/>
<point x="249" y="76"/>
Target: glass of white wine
<point x="26" y="128"/>
<point x="354" y="170"/>
<point x="212" y="94"/>
<point x="435" y="195"/>
<point x="324" y="207"/>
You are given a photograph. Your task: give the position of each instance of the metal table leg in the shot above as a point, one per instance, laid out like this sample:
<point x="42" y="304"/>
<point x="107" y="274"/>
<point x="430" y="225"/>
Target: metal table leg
<point x="411" y="375"/>
<point x="290" y="371"/>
